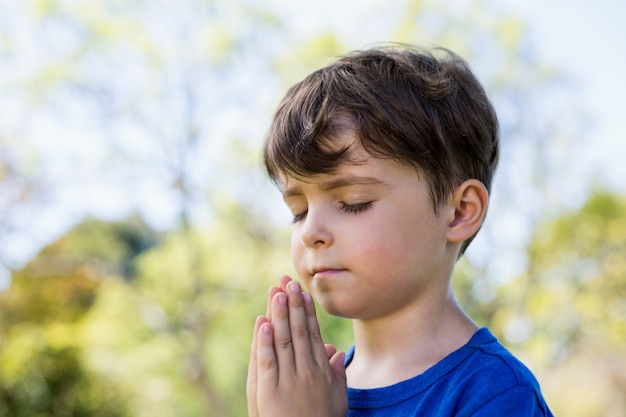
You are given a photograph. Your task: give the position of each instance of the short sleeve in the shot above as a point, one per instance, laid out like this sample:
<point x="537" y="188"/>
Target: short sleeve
<point x="518" y="401"/>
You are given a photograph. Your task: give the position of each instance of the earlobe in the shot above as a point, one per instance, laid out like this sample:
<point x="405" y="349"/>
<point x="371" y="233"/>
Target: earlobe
<point x="470" y="201"/>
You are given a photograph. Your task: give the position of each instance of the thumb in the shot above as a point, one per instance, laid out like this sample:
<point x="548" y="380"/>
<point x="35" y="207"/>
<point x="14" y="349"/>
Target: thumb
<point x="338" y="367"/>
<point x="330" y="350"/>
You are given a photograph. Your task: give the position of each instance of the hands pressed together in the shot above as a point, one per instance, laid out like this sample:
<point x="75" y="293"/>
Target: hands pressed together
<point x="291" y="371"/>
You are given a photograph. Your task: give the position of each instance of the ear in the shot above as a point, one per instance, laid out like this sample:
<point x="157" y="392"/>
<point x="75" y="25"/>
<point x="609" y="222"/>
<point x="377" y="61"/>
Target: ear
<point x="469" y="201"/>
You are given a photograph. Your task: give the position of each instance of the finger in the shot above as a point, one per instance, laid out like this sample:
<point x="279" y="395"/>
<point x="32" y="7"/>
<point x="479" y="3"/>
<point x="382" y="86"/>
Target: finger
<point x="253" y="349"/>
<point x="282" y="286"/>
<point x="284" y="281"/>
<point x="330" y="350"/>
<point x="337" y="364"/>
<point x="251" y="385"/>
<point x="283" y="343"/>
<point x="267" y="364"/>
<point x="270" y="296"/>
<point x="299" y="325"/>
<point x="315" y="336"/>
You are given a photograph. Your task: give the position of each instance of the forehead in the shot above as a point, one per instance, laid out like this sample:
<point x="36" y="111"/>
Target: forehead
<point x="362" y="169"/>
<point x="354" y="156"/>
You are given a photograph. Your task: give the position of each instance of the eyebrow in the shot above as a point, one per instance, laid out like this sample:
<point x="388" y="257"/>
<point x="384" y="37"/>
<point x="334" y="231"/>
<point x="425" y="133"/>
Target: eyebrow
<point x="335" y="183"/>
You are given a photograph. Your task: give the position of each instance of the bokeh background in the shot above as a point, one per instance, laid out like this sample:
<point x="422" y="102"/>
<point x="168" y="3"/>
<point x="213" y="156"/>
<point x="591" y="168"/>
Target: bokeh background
<point x="138" y="233"/>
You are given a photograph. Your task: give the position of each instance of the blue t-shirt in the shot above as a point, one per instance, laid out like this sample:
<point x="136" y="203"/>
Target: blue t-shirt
<point x="481" y="378"/>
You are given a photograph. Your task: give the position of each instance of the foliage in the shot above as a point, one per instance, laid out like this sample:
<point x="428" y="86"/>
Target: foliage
<point x="570" y="307"/>
<point x="198" y="290"/>
<point x="578" y="260"/>
<point x="42" y="370"/>
<point x="115" y="320"/>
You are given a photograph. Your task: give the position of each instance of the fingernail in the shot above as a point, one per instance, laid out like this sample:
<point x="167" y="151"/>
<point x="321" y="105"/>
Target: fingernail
<point x="294" y="287"/>
<point x="266" y="328"/>
<point x="282" y="299"/>
<point x="307" y="297"/>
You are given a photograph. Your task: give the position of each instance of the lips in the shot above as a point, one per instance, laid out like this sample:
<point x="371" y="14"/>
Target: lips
<point x="325" y="271"/>
<point x="321" y="269"/>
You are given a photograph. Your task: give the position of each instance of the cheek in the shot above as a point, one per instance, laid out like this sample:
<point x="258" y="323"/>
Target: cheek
<point x="397" y="245"/>
<point x="381" y="253"/>
<point x="297" y="255"/>
<point x="376" y="247"/>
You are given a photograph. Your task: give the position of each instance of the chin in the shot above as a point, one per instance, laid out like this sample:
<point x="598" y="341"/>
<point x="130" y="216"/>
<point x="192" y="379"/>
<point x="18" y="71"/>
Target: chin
<point x="336" y="308"/>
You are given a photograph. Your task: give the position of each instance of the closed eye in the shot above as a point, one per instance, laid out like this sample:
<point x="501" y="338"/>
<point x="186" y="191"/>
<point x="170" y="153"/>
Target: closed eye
<point x="298" y="217"/>
<point x="347" y="208"/>
<point x="355" y="208"/>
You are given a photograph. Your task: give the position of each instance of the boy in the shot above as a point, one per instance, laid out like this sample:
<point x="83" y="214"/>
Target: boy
<point x="385" y="158"/>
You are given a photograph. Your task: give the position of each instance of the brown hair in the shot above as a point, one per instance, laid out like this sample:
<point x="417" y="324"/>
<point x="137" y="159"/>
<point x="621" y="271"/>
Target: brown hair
<point x="402" y="103"/>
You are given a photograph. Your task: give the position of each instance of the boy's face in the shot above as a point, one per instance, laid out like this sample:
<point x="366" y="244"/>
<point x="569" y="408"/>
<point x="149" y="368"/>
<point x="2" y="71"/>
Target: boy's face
<point x="366" y="240"/>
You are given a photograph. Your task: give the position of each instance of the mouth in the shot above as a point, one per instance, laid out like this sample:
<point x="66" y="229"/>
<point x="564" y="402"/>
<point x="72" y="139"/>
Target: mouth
<point x="325" y="271"/>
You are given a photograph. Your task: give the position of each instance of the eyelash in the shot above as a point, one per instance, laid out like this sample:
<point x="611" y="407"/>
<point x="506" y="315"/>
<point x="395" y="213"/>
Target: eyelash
<point x="347" y="208"/>
<point x="298" y="217"/>
<point x="355" y="208"/>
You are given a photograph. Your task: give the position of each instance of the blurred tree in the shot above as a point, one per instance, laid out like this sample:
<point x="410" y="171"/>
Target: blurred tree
<point x="156" y="137"/>
<point x="158" y="107"/>
<point x="20" y="191"/>
<point x="42" y="371"/>
<point x="578" y="275"/>
<point x="157" y="131"/>
<point x="176" y="337"/>
<point x="569" y="308"/>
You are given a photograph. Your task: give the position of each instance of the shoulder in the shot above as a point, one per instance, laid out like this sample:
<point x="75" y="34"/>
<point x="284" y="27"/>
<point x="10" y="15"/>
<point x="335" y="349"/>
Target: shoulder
<point x="488" y="358"/>
<point x="492" y="381"/>
<point x="480" y="379"/>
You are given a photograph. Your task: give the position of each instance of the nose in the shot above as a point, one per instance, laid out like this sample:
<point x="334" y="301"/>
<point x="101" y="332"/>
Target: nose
<point x="315" y="231"/>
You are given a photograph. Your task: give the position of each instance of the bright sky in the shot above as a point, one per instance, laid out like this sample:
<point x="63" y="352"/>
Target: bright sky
<point x="587" y="39"/>
<point x="579" y="37"/>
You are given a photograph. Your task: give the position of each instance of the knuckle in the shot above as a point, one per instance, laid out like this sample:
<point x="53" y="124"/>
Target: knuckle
<point x="301" y="331"/>
<point x="267" y="364"/>
<point x="284" y="343"/>
<point x="316" y="335"/>
<point x="296" y="302"/>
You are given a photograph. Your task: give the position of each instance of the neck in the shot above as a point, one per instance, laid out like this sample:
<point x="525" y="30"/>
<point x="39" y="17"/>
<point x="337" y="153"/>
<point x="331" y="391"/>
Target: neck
<point x="408" y="342"/>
